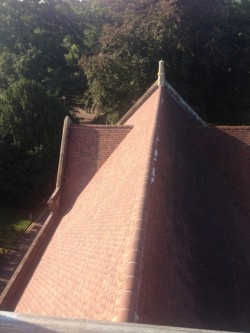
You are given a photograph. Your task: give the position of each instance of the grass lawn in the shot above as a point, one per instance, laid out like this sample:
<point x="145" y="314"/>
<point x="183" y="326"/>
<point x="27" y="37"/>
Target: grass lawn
<point x="12" y="224"/>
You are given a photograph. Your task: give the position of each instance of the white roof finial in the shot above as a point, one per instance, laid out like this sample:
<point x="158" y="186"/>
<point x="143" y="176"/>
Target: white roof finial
<point x="161" y="74"/>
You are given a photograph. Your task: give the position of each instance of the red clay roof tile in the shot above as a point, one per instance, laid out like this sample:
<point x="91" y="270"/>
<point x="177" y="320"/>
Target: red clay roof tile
<point x="150" y="235"/>
<point x="83" y="270"/>
<point x="193" y="229"/>
<point x="228" y="148"/>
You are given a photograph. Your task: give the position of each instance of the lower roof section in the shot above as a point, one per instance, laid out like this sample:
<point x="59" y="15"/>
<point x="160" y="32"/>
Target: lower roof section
<point x="228" y="149"/>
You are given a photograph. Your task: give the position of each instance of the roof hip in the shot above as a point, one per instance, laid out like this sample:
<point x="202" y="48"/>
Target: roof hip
<point x="129" y="299"/>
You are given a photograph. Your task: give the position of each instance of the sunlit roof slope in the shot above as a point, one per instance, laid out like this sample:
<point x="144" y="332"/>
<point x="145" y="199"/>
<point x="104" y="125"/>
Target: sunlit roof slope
<point x="85" y="270"/>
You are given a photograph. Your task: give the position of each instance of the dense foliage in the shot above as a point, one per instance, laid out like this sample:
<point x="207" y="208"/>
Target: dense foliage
<point x="205" y="44"/>
<point x="29" y="137"/>
<point x="214" y="39"/>
<point x="102" y="55"/>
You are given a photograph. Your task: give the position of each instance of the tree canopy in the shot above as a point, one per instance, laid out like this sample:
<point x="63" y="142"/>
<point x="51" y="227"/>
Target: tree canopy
<point x="205" y="45"/>
<point x="102" y="55"/>
<point x="30" y="131"/>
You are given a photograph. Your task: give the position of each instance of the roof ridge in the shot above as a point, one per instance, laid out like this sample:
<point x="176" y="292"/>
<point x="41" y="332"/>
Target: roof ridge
<point x="131" y="282"/>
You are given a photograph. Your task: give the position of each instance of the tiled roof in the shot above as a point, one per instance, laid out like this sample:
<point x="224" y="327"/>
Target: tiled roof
<point x="228" y="148"/>
<point x="86" y="269"/>
<point x="89" y="147"/>
<point x="196" y="248"/>
<point x="149" y="230"/>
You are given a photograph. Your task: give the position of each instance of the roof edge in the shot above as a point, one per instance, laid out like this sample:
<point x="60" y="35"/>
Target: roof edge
<point x="172" y="92"/>
<point x="233" y="128"/>
<point x="19" y="323"/>
<point x="63" y="150"/>
<point x="137" y="104"/>
<point x="17" y="283"/>
<point x="110" y="127"/>
<point x="131" y="280"/>
<point x="184" y="104"/>
<point x="54" y="199"/>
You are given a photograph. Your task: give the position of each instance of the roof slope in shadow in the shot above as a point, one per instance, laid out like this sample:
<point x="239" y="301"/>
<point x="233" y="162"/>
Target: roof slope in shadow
<point x="195" y="267"/>
<point x="228" y="148"/>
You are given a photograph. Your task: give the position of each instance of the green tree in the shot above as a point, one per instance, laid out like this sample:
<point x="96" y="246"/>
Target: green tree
<point x="131" y="42"/>
<point x="205" y="44"/>
<point x="42" y="41"/>
<point x="30" y="131"/>
<point x="212" y="40"/>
